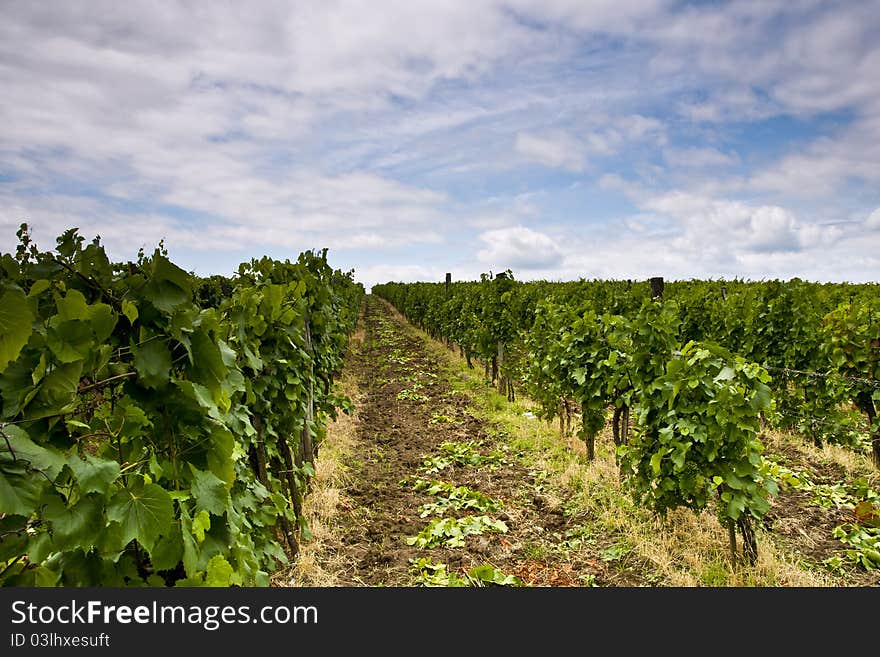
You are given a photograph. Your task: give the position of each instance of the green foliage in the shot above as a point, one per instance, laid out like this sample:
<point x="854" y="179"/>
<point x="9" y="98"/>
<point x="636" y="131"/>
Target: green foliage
<point x="465" y="453"/>
<point x="451" y="532"/>
<point x="863" y="544"/>
<point x="697" y="435"/>
<point x="455" y="498"/>
<point x="134" y="421"/>
<point x="410" y="394"/>
<point x="427" y="573"/>
<point x="614" y="552"/>
<point x="851" y="343"/>
<point x="793" y="354"/>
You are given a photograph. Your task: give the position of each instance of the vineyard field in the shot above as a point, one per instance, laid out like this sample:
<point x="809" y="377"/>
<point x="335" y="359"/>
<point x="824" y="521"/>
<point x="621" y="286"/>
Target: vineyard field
<point x="427" y="425"/>
<point x="282" y="427"/>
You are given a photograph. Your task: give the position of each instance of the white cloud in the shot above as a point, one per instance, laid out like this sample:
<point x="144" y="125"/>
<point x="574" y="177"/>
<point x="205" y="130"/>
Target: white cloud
<point x="724" y="228"/>
<point x="556" y="149"/>
<point x="772" y="228"/>
<point x="636" y="126"/>
<point x="342" y="125"/>
<point x="518" y="248"/>
<point x="698" y="157"/>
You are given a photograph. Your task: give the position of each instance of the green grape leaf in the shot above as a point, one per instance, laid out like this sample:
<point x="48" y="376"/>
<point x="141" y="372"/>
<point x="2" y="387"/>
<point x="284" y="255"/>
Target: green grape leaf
<point x="73" y="306"/>
<point x="57" y="391"/>
<point x="129" y="309"/>
<point x="39" y="548"/>
<point x="16" y="325"/>
<point x="220" y="573"/>
<point x="762" y="398"/>
<point x="208" y="368"/>
<point x="46" y="460"/>
<point x="201" y="523"/>
<point x="169" y="549"/>
<point x="220" y="454"/>
<point x="103" y="321"/>
<point x="169" y="286"/>
<point x="93" y="474"/>
<point x="726" y="374"/>
<point x="13" y="538"/>
<point x="210" y="492"/>
<point x="39" y="287"/>
<point x="144" y="510"/>
<point x="152" y="360"/>
<point x="74" y="526"/>
<point x="70" y="340"/>
<point x="190" y="546"/>
<point x="19" y="493"/>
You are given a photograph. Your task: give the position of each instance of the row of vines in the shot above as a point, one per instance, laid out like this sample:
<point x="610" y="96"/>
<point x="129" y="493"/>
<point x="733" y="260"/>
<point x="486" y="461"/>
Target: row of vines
<point x="158" y="428"/>
<point x="696" y="371"/>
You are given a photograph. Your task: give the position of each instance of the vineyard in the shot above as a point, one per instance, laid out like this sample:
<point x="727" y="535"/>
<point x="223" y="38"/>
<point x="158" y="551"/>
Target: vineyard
<point x="160" y="429"/>
<point x="440" y="480"/>
<point x="703" y="368"/>
<point x="280" y="427"/>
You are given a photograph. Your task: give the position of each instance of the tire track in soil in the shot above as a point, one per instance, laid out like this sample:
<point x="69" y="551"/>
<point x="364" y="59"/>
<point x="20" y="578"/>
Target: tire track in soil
<point x="395" y="436"/>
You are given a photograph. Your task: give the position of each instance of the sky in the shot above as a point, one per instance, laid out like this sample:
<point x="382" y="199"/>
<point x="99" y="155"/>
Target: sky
<point x="560" y="139"/>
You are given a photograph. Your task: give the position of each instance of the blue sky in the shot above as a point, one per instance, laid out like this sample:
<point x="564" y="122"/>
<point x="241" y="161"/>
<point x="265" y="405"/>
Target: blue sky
<point x="557" y="138"/>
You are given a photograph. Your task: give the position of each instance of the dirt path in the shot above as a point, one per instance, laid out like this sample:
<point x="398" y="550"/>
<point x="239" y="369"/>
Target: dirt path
<point x="414" y="432"/>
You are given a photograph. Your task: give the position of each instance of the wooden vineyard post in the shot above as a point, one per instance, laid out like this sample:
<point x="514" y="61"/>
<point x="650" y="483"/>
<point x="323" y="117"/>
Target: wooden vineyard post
<point x="307" y="443"/>
<point x="449" y="338"/>
<point x="501" y="382"/>
<point x="656" y="287"/>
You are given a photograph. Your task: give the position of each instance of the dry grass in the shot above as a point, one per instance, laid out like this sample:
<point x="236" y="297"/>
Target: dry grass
<point x="828" y="454"/>
<point x="317" y="563"/>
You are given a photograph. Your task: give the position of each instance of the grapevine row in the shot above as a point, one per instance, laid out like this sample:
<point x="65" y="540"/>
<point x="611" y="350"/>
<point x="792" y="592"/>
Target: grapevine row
<point x="700" y="371"/>
<point x="157" y="428"/>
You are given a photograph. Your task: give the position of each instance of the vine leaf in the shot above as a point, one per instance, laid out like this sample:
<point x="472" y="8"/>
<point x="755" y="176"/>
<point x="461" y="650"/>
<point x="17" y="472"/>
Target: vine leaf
<point x="190" y="546"/>
<point x="130" y="310"/>
<point x="70" y="340"/>
<point x="762" y="399"/>
<point x="94" y="475"/>
<point x="201" y="523"/>
<point x="210" y="492"/>
<point x="57" y="392"/>
<point x="169" y="287"/>
<point x="16" y="325"/>
<point x="210" y="370"/>
<point x="152" y="360"/>
<point x="19" y="493"/>
<point x="144" y="511"/>
<point x="46" y="460"/>
<point x="220" y="573"/>
<point x="74" y="526"/>
<point x="169" y="549"/>
<point x="13" y="541"/>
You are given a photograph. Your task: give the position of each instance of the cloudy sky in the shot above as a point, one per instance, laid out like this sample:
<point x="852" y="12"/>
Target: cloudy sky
<point x="557" y="138"/>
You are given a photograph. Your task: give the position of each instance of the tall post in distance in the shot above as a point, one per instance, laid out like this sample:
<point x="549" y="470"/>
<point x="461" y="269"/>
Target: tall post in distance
<point x="499" y="358"/>
<point x="656" y="287"/>
<point x="449" y="337"/>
